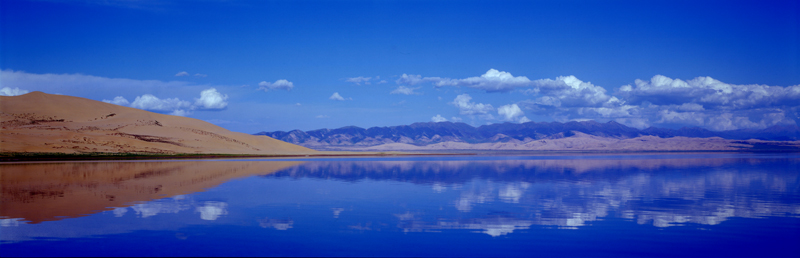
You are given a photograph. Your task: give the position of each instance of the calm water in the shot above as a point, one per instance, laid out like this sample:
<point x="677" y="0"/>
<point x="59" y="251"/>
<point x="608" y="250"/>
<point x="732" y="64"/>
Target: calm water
<point x="740" y="205"/>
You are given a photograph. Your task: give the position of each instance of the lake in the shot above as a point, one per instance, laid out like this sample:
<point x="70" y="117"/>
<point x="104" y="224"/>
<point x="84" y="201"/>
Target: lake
<point x="633" y="205"/>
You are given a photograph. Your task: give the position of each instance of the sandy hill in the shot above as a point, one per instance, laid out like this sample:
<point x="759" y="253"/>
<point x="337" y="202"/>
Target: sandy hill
<point x="40" y="122"/>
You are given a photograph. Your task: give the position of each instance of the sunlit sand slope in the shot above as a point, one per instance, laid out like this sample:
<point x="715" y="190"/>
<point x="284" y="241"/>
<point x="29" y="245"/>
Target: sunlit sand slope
<point x="40" y="122"/>
<point x="53" y="191"/>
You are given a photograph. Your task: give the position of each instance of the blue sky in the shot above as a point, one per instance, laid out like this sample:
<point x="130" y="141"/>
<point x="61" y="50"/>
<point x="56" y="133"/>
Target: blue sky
<point x="253" y="66"/>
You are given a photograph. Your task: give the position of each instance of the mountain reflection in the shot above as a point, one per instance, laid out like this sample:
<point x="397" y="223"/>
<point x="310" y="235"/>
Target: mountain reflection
<point x="52" y="191"/>
<point x="575" y="192"/>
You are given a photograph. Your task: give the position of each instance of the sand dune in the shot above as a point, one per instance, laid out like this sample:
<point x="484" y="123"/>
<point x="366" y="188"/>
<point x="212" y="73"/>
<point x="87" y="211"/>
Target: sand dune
<point x="40" y="122"/>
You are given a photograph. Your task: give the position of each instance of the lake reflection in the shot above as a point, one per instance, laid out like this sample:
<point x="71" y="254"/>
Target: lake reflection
<point x="52" y="191"/>
<point x="619" y="205"/>
<point x="570" y="193"/>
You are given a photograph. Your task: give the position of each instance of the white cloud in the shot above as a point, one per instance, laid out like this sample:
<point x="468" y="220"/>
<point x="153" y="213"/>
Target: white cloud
<point x="456" y="119"/>
<point x="512" y="113"/>
<point x="90" y="86"/>
<point x="710" y="93"/>
<point x="438" y="118"/>
<point x="465" y="107"/>
<point x="491" y="81"/>
<point x="405" y="90"/>
<point x="710" y="103"/>
<point x="358" y="80"/>
<point x="200" y="75"/>
<point x="8" y="91"/>
<point x="336" y="96"/>
<point x="409" y="79"/>
<point x="96" y="87"/>
<point x="569" y="91"/>
<point x="118" y="100"/>
<point x="153" y="103"/>
<point x="211" y="99"/>
<point x="183" y="73"/>
<point x="667" y="116"/>
<point x="180" y="112"/>
<point x="277" y="85"/>
<point x="702" y="101"/>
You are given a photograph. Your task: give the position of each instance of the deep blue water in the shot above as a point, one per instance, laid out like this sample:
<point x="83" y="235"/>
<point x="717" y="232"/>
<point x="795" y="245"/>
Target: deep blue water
<point x="687" y="205"/>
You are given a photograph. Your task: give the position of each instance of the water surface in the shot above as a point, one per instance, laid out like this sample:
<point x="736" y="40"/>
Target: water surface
<point x="597" y="205"/>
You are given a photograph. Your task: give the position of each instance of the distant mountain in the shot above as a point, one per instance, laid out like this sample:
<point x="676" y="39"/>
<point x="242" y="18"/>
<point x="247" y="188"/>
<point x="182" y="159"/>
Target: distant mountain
<point x="423" y="134"/>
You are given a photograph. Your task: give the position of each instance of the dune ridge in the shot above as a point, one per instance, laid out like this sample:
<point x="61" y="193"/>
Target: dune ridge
<point x="47" y="123"/>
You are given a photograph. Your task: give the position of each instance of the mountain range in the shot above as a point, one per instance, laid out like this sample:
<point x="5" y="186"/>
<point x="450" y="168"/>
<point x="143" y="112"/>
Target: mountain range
<point x="439" y="135"/>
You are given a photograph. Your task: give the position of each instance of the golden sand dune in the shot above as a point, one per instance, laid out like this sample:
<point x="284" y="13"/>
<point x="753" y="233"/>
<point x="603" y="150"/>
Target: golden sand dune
<point x="53" y="191"/>
<point x="40" y="122"/>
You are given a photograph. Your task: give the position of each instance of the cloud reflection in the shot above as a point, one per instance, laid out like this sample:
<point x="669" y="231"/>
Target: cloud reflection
<point x="279" y="224"/>
<point x="212" y="210"/>
<point x="493" y="226"/>
<point x="39" y="192"/>
<point x="573" y="193"/>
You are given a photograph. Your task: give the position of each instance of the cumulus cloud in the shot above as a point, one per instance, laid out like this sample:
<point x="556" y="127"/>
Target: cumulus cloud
<point x="153" y="103"/>
<point x="438" y="118"/>
<point x="406" y="90"/>
<point x="118" y="100"/>
<point x="210" y="99"/>
<point x="661" y="101"/>
<point x="709" y="92"/>
<point x="569" y="91"/>
<point x="409" y="79"/>
<point x="277" y="85"/>
<point x="8" y="91"/>
<point x="710" y="103"/>
<point x="491" y="81"/>
<point x="512" y="113"/>
<point x="336" y="96"/>
<point x="465" y="107"/>
<point x="358" y="80"/>
<point x="183" y="73"/>
<point x="567" y="98"/>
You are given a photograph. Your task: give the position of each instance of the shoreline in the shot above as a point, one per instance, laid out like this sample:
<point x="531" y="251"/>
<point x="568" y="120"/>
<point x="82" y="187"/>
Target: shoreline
<point x="4" y="157"/>
<point x="30" y="156"/>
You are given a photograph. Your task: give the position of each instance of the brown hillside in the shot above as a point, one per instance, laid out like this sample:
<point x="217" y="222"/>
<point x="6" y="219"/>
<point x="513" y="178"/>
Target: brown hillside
<point x="40" y="122"/>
